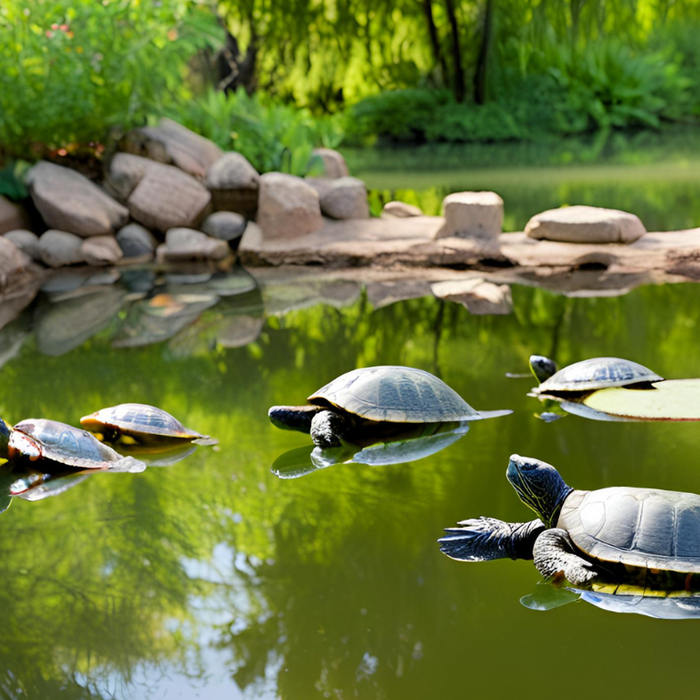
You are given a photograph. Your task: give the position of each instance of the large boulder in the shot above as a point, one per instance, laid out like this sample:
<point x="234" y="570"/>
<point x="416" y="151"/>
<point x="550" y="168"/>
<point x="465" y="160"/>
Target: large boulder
<point x="68" y="201"/>
<point x="101" y="250"/>
<point x="332" y="163"/>
<point x="234" y="184"/>
<point x="26" y="241"/>
<point x="173" y="144"/>
<point x="226" y="226"/>
<point x="582" y="224"/>
<point x="12" y="216"/>
<point x="136" y="241"/>
<point x="345" y="198"/>
<point x="188" y="244"/>
<point x="158" y="196"/>
<point x="288" y="207"/>
<point x="60" y="248"/>
<point x="473" y="215"/>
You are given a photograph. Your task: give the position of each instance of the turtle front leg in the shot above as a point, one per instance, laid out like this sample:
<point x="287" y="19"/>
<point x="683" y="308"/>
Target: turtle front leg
<point x="327" y="427"/>
<point x="555" y="555"/>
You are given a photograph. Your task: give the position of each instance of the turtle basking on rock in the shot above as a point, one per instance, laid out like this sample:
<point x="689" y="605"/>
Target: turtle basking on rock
<point x="371" y="398"/>
<point x="618" y="532"/>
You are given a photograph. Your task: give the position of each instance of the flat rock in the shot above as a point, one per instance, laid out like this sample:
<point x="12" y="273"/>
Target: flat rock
<point x="173" y="144"/>
<point x="234" y="184"/>
<point x="582" y="224"/>
<point x="70" y="202"/>
<point x="345" y="198"/>
<point x="477" y="295"/>
<point x="12" y="216"/>
<point x="288" y="207"/>
<point x="188" y="244"/>
<point x="389" y="292"/>
<point x="473" y="215"/>
<point x="332" y="162"/>
<point x="136" y="241"/>
<point x="26" y="241"/>
<point x="101" y="250"/>
<point x="60" y="248"/>
<point x="226" y="226"/>
<point x="400" y="210"/>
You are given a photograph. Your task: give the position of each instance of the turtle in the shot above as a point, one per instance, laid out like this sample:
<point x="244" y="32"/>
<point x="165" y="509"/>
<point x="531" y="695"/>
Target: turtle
<point x="37" y="439"/>
<point x="622" y="533"/>
<point x="136" y="423"/>
<point x="589" y="375"/>
<point x="370" y="398"/>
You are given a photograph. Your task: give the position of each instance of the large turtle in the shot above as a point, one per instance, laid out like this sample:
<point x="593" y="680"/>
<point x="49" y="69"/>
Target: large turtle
<point x="376" y="396"/>
<point x="40" y="439"/>
<point x="648" y="534"/>
<point x="589" y="375"/>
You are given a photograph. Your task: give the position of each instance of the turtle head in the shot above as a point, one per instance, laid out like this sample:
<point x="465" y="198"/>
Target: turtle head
<point x="542" y="367"/>
<point x="539" y="486"/>
<point x="4" y="439"/>
<point x="293" y="417"/>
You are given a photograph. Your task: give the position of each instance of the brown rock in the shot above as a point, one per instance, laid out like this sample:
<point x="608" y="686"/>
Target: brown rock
<point x="477" y="295"/>
<point x="26" y="241"/>
<point x="12" y="216"/>
<point x="473" y="215"/>
<point x="288" y="207"/>
<point x="582" y="224"/>
<point x="234" y="184"/>
<point x="60" y="248"/>
<point x="70" y="202"/>
<point x="101" y="250"/>
<point x="400" y="210"/>
<point x="346" y="198"/>
<point x="333" y="163"/>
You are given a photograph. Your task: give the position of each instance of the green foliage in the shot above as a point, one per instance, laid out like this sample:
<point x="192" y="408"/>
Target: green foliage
<point x="11" y="181"/>
<point x="72" y="70"/>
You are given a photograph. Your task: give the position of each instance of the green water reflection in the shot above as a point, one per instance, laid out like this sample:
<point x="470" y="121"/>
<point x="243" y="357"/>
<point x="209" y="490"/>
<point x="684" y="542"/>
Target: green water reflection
<point x="213" y="577"/>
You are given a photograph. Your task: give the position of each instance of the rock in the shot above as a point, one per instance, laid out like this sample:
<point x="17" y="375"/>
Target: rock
<point x="70" y="202"/>
<point x="240" y="331"/>
<point x="473" y="215"/>
<point x="60" y="248"/>
<point x="400" y="210"/>
<point x="26" y="241"/>
<point x="101" y="250"/>
<point x="172" y="143"/>
<point x="346" y="198"/>
<point x="188" y="244"/>
<point x="382" y="294"/>
<point x="478" y="295"/>
<point x="158" y="196"/>
<point x="234" y="184"/>
<point x="226" y="226"/>
<point x="136" y="241"/>
<point x="333" y="163"/>
<point x="582" y="224"/>
<point x="288" y="207"/>
<point x="320" y="184"/>
<point x="12" y="216"/>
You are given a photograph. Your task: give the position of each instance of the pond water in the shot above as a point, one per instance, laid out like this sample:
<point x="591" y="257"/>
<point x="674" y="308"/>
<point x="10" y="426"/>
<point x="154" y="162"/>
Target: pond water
<point x="213" y="578"/>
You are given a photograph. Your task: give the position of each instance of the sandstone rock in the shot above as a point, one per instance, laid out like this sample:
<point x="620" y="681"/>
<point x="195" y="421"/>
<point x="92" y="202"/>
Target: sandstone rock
<point x="188" y="244"/>
<point x="172" y="143"/>
<point x="333" y="163"/>
<point x="234" y="184"/>
<point x="582" y="224"/>
<point x="12" y="216"/>
<point x="101" y="250"/>
<point x="158" y="196"/>
<point x="60" y="248"/>
<point x="400" y="210"/>
<point x="477" y="295"/>
<point x="346" y="198"/>
<point x="136" y="241"/>
<point x="70" y="202"/>
<point x="226" y="226"/>
<point x="288" y="207"/>
<point x="26" y="241"/>
<point x="473" y="215"/>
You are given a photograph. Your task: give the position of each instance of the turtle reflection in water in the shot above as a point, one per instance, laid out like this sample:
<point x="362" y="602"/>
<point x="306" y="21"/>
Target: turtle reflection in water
<point x="647" y="536"/>
<point x="376" y="400"/>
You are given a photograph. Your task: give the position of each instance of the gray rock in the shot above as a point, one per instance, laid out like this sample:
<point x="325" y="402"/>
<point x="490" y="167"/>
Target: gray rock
<point x="136" y="241"/>
<point x="70" y="202"/>
<point x="346" y="198"/>
<point x="473" y="215"/>
<point x="60" y="248"/>
<point x="234" y="184"/>
<point x="13" y="264"/>
<point x="477" y="295"/>
<point x="12" y="216"/>
<point x="582" y="224"/>
<point x="188" y="244"/>
<point x="226" y="226"/>
<point x="288" y="207"/>
<point x="172" y="143"/>
<point x="333" y="163"/>
<point x="101" y="250"/>
<point x="26" y="241"/>
<point x="400" y="210"/>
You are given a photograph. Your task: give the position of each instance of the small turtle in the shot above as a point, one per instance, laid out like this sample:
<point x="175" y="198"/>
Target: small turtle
<point x="589" y="375"/>
<point x="623" y="533"/>
<point x="376" y="396"/>
<point x="135" y="423"/>
<point x="39" y="439"/>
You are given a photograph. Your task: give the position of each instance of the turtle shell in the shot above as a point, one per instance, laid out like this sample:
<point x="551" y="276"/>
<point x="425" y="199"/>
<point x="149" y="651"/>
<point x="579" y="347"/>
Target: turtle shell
<point x="597" y="373"/>
<point x="139" y="421"/>
<point x="397" y="395"/>
<point x="48" y="439"/>
<point x="644" y="528"/>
